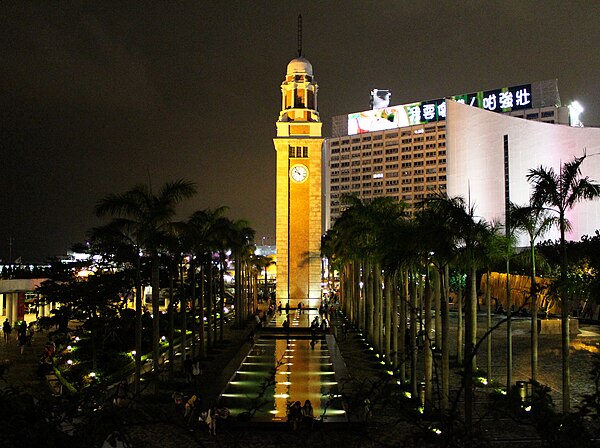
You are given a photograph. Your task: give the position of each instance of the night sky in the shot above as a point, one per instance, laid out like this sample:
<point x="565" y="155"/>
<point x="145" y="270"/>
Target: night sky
<point x="99" y="96"/>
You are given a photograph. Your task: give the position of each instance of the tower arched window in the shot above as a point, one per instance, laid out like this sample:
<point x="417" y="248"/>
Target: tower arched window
<point x="299" y="99"/>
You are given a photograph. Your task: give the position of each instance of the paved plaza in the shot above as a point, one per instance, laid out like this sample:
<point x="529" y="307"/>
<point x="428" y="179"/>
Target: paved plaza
<point x="359" y="365"/>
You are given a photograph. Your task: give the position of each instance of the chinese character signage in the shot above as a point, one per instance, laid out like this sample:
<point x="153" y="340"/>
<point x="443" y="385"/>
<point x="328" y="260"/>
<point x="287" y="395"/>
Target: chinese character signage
<point x="499" y="100"/>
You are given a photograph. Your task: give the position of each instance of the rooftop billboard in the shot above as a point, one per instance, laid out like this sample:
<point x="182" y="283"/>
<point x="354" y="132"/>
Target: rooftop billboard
<point x="505" y="99"/>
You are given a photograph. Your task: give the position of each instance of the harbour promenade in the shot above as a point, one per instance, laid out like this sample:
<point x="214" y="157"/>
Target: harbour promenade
<point x="167" y="428"/>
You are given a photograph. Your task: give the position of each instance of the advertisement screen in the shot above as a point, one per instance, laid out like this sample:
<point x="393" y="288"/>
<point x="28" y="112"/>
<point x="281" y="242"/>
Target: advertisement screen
<point x="497" y="100"/>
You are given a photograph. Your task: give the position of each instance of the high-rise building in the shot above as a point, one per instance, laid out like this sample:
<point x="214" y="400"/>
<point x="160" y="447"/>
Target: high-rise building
<point x="401" y="151"/>
<point x="490" y="156"/>
<point x="298" y="188"/>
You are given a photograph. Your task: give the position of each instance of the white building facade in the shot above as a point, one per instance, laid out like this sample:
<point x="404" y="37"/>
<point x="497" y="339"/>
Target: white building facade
<point x="403" y="151"/>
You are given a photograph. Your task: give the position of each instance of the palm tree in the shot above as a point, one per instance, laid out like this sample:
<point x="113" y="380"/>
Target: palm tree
<point x="557" y="193"/>
<point x="262" y="263"/>
<point x="200" y="231"/>
<point x="174" y="258"/>
<point x="144" y="219"/>
<point x="242" y="246"/>
<point x="470" y="240"/>
<point x="535" y="222"/>
<point x="440" y="244"/>
<point x="495" y="246"/>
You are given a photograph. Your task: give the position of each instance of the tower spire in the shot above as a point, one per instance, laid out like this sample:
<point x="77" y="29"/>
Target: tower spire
<point x="299" y="35"/>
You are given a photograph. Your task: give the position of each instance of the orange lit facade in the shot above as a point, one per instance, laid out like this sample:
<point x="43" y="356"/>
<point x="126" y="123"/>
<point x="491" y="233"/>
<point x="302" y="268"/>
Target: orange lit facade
<point x="298" y="199"/>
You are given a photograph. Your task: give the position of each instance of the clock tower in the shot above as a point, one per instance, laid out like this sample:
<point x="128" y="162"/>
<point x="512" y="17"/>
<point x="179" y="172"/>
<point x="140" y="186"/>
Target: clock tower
<point x="298" y="204"/>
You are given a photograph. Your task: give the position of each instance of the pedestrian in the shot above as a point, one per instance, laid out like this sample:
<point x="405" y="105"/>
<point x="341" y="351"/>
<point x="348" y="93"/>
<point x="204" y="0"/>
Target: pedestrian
<point x="196" y="369"/>
<point x="30" y="332"/>
<point x="7" y="329"/>
<point x="295" y="414"/>
<point x="211" y="420"/>
<point x="121" y="393"/>
<point x="368" y="409"/>
<point x="22" y="336"/>
<point x="308" y="414"/>
<point x="188" y="368"/>
<point x="286" y="327"/>
<point x="188" y="408"/>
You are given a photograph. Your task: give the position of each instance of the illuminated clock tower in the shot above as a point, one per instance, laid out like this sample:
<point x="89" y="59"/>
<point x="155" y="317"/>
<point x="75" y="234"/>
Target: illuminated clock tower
<point x="299" y="152"/>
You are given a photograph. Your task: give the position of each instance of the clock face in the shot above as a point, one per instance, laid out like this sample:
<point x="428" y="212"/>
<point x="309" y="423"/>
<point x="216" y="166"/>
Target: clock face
<point x="299" y="173"/>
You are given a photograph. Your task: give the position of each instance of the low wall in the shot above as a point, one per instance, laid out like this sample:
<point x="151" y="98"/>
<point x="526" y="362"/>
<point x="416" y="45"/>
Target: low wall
<point x="552" y="326"/>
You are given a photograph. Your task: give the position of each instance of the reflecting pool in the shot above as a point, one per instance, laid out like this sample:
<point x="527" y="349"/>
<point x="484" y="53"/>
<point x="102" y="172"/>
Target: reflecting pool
<point x="278" y="372"/>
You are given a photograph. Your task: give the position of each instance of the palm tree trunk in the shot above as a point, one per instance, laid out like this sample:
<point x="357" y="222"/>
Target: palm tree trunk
<point x="359" y="276"/>
<point x="413" y="335"/>
<point x="238" y="292"/>
<point x="394" y="312"/>
<point x="370" y="308"/>
<point x="437" y="297"/>
<point x="138" y="324"/>
<point x="427" y="352"/>
<point x="94" y="342"/>
<point x="509" y="345"/>
<point x="155" y="313"/>
<point x="469" y="355"/>
<point x="445" y="339"/>
<point x="459" y="329"/>
<point x="222" y="302"/>
<point x="377" y="311"/>
<point x="183" y="311"/>
<point x="488" y="326"/>
<point x="209" y="304"/>
<point x="215" y="287"/>
<point x="171" y="312"/>
<point x="473" y="303"/>
<point x="534" y="319"/>
<point x="564" y="315"/>
<point x="255" y="291"/>
<point x="193" y="286"/>
<point x="403" y="318"/>
<point x="202" y="350"/>
<point x="388" y="317"/>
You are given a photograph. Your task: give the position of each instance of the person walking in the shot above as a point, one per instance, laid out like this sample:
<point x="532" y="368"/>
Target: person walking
<point x="22" y="336"/>
<point x="121" y="393"/>
<point x="30" y="332"/>
<point x="7" y="329"/>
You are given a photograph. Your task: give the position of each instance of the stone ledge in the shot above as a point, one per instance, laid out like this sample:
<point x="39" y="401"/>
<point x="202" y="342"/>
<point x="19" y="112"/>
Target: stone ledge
<point x="552" y="326"/>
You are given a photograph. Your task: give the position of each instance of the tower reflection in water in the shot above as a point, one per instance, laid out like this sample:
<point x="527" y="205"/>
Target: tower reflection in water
<point x="278" y="372"/>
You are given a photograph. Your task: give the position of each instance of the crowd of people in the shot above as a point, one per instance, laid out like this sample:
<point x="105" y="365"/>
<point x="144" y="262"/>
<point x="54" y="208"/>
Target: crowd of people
<point x="197" y="417"/>
<point x="24" y="333"/>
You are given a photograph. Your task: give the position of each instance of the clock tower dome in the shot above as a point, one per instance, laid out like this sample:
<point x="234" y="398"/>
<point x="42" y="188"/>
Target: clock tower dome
<point x="298" y="205"/>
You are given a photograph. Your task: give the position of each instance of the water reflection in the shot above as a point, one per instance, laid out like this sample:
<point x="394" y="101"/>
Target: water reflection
<point x="278" y="372"/>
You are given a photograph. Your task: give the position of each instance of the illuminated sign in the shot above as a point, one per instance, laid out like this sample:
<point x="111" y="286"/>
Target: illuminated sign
<point x="498" y="100"/>
<point x="380" y="98"/>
